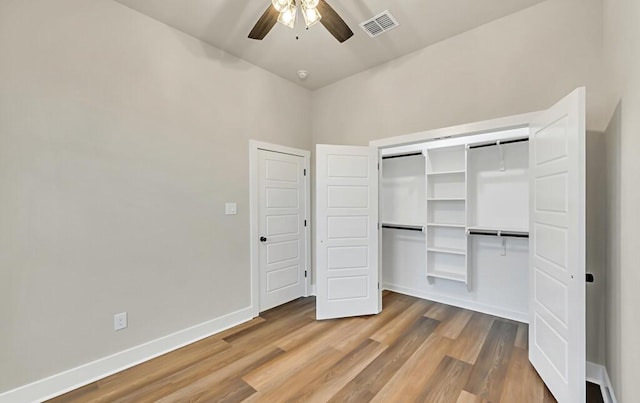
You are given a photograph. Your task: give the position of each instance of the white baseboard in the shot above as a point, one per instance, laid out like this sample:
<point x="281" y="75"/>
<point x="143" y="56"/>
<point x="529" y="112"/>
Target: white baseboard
<point x="461" y="303"/>
<point x="598" y="374"/>
<point x="313" y="290"/>
<point x="74" y="378"/>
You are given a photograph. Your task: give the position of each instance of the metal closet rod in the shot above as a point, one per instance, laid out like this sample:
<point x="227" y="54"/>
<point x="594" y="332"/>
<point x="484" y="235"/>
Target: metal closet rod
<point x="501" y="142"/>
<point x="498" y="233"/>
<point x="405" y="227"/>
<point x="388" y="157"/>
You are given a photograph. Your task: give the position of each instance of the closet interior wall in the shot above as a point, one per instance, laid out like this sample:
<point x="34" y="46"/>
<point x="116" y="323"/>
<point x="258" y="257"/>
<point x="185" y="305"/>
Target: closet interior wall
<point x="447" y="191"/>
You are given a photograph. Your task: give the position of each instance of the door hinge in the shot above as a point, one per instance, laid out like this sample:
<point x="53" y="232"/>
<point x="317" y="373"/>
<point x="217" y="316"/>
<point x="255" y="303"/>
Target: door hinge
<point x="378" y="166"/>
<point x="378" y="226"/>
<point x="305" y="273"/>
<point x="378" y="286"/>
<point x="305" y="223"/>
<point x="305" y="172"/>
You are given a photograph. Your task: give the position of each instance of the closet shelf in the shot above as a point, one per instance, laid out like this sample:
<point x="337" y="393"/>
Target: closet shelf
<point x="446" y="199"/>
<point x="451" y="251"/>
<point x="455" y="172"/>
<point x="497" y="143"/>
<point x="492" y="230"/>
<point x="450" y="225"/>
<point x="448" y="275"/>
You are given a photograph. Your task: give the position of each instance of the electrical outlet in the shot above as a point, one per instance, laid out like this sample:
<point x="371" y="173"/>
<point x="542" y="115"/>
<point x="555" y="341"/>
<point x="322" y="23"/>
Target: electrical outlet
<point x="120" y="321"/>
<point x="231" y="208"/>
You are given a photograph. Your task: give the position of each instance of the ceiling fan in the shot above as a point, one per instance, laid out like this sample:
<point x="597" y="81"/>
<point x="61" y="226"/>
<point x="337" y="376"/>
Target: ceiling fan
<point x="313" y="11"/>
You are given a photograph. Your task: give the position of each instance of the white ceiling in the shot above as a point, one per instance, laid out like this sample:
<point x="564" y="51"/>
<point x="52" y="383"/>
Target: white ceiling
<point x="225" y="24"/>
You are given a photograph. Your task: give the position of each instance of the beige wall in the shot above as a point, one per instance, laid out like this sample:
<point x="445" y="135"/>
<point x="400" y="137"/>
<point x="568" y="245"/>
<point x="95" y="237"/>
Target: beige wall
<point x="120" y="145"/>
<point x="521" y="63"/>
<point x="622" y="51"/>
<point x="120" y="141"/>
<point x="613" y="294"/>
<point x="596" y="246"/>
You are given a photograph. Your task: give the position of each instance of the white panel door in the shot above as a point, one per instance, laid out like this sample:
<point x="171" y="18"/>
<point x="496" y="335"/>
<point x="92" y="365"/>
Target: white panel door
<point x="557" y="248"/>
<point x="282" y="219"/>
<point x="346" y="231"/>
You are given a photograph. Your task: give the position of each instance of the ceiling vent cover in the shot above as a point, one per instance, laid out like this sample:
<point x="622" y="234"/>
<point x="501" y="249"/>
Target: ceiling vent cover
<point x="379" y="24"/>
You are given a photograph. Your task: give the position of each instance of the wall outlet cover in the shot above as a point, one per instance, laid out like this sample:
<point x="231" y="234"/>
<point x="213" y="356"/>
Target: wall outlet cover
<point x="231" y="208"/>
<point x="120" y="321"/>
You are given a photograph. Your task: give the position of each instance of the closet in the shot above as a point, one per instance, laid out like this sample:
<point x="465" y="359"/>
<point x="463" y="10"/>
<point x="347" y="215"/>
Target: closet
<point x="455" y="218"/>
<point x="488" y="216"/>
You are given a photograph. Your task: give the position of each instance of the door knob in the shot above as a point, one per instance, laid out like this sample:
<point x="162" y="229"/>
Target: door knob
<point x="263" y="239"/>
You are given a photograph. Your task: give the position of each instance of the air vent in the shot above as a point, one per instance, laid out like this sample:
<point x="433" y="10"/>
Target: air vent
<point x="379" y="24"/>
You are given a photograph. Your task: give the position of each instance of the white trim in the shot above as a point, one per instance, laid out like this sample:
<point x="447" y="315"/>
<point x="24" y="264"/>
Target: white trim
<point x="469" y="129"/>
<point x="254" y="232"/>
<point x="74" y="378"/>
<point x="461" y="303"/>
<point x="598" y="374"/>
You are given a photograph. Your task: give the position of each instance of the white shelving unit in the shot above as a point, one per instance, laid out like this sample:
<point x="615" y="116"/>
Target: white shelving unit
<point x="445" y="236"/>
<point x="435" y="206"/>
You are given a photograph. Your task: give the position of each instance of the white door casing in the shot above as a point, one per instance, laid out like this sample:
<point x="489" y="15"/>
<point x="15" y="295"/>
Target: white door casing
<point x="557" y="247"/>
<point x="281" y="200"/>
<point x="346" y="231"/>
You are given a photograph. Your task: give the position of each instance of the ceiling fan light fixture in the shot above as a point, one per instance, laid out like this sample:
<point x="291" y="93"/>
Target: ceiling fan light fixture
<point x="310" y="10"/>
<point x="311" y="16"/>
<point x="280" y="5"/>
<point x="287" y="17"/>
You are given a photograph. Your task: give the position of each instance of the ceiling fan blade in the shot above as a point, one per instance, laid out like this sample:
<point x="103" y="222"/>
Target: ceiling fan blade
<point x="264" y="24"/>
<point x="333" y="22"/>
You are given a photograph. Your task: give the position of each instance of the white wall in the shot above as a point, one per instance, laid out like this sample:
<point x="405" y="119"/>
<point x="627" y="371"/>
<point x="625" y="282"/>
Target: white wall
<point x="520" y="63"/>
<point x="622" y="51"/>
<point x="120" y="141"/>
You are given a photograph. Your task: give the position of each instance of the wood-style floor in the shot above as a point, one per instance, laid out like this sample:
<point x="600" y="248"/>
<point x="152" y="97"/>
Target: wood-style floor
<point x="415" y="350"/>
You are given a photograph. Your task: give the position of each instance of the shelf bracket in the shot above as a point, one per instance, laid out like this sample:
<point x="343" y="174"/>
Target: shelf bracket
<point x="501" y="155"/>
<point x="503" y="252"/>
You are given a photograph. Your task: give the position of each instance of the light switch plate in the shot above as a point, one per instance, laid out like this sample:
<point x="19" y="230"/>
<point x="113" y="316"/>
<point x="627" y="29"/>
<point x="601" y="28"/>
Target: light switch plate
<point x="231" y="208"/>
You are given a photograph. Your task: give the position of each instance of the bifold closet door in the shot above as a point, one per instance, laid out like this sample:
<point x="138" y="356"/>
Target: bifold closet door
<point x="346" y="231"/>
<point x="557" y="248"/>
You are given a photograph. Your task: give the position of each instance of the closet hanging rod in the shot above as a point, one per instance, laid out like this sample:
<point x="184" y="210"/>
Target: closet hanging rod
<point x="387" y="157"/>
<point x="498" y="233"/>
<point x="501" y="142"/>
<point x="405" y="227"/>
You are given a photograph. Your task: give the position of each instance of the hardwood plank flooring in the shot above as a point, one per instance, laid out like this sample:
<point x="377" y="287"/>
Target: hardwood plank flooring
<point x="414" y="351"/>
<point x="490" y="370"/>
<point x="447" y="382"/>
<point x="373" y="378"/>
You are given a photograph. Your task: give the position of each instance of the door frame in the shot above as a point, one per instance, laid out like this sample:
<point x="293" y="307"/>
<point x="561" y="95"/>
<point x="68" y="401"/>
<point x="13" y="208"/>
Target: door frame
<point x="254" y="217"/>
<point x="408" y="143"/>
<point x="468" y="129"/>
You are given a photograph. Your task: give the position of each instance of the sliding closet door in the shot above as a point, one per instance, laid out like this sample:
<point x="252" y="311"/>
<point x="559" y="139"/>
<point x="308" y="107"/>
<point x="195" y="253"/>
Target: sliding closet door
<point x="557" y="248"/>
<point x="346" y="231"/>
